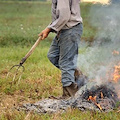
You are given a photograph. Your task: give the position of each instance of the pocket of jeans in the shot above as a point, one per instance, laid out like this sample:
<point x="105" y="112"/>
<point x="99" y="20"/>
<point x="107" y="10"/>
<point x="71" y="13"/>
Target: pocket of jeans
<point x="78" y="31"/>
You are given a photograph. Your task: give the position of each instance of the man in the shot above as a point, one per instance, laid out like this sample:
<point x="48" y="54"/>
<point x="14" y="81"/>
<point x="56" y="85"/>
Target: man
<point x="67" y="24"/>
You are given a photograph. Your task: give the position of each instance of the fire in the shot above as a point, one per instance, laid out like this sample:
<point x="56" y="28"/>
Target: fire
<point x="102" y="95"/>
<point x="116" y="74"/>
<point x="93" y="99"/>
<point x="115" y="52"/>
<point x="99" y="106"/>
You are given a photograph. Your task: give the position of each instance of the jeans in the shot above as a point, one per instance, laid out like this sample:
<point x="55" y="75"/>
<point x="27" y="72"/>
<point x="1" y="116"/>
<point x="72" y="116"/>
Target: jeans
<point x="63" y="52"/>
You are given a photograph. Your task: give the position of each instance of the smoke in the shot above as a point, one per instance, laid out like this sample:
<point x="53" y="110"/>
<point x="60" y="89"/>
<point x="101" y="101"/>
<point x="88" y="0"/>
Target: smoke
<point x="98" y="60"/>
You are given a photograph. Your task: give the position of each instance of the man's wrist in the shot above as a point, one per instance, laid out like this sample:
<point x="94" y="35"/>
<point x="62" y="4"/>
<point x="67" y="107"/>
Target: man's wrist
<point x="48" y="29"/>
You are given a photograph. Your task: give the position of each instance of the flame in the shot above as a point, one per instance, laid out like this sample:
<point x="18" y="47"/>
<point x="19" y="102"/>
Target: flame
<point x="99" y="106"/>
<point x="93" y="99"/>
<point x="116" y="74"/>
<point x="102" y="95"/>
<point x="115" y="52"/>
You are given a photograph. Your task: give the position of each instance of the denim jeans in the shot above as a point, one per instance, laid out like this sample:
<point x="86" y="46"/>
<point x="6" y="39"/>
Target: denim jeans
<point x="63" y="52"/>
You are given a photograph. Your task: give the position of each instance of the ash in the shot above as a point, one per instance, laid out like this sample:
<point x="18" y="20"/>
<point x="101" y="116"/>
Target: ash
<point x="106" y="100"/>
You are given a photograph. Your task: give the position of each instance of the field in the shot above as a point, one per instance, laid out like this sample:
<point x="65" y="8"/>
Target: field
<point x="20" y="24"/>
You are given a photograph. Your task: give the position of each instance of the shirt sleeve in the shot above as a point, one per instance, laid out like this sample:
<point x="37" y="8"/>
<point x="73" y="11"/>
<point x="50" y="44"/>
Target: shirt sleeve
<point x="63" y="15"/>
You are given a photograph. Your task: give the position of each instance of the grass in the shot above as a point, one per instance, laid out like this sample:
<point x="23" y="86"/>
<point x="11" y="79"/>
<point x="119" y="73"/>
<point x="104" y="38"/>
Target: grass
<point x="20" y="22"/>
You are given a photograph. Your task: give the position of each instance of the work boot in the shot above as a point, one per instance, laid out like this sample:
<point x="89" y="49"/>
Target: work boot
<point x="70" y="90"/>
<point x="80" y="79"/>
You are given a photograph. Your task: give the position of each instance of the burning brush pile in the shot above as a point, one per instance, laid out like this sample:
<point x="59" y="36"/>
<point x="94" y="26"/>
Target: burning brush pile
<point x="89" y="97"/>
<point x="101" y="63"/>
<point x="101" y="98"/>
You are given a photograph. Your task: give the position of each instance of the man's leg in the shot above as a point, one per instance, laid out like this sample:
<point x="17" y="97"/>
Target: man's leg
<point x="53" y="54"/>
<point x="69" y="40"/>
<point x="67" y="61"/>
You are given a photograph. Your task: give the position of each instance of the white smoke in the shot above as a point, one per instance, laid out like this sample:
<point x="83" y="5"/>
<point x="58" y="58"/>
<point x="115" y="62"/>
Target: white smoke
<point x="97" y="61"/>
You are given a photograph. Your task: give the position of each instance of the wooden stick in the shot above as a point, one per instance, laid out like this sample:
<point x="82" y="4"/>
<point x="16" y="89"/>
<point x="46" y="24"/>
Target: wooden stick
<point x="31" y="50"/>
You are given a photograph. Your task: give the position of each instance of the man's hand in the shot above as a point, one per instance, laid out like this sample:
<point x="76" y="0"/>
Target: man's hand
<point x="44" y="33"/>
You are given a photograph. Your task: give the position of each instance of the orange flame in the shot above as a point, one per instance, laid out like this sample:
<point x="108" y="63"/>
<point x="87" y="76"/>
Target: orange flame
<point x="115" y="52"/>
<point x="102" y="95"/>
<point x="93" y="99"/>
<point x="116" y="74"/>
<point x="99" y="106"/>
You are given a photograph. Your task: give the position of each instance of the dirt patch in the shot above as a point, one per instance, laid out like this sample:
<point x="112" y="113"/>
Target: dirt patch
<point x="9" y="102"/>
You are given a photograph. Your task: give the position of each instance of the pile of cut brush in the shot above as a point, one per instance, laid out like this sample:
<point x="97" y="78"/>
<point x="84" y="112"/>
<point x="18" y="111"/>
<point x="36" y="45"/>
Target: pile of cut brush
<point x="89" y="97"/>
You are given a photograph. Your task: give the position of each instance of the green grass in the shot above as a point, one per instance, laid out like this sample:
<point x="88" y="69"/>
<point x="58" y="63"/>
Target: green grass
<point x="71" y="114"/>
<point x="20" y="23"/>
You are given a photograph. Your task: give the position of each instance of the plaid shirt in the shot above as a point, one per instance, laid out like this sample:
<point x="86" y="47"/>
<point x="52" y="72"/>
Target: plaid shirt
<point x="65" y="14"/>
